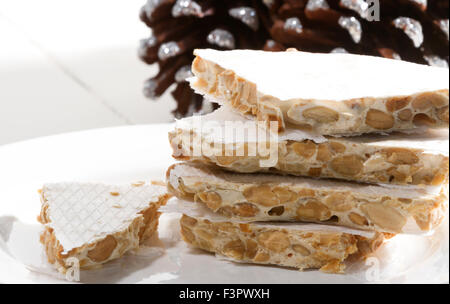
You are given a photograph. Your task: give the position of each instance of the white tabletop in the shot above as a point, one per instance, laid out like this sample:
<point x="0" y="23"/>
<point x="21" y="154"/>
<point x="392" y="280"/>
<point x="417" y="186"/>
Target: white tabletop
<point x="72" y="65"/>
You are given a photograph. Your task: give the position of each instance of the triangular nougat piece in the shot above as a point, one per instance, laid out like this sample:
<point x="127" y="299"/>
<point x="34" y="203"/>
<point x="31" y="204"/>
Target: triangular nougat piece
<point x="401" y="159"/>
<point x="95" y="223"/>
<point x="269" y="197"/>
<point x="330" y="94"/>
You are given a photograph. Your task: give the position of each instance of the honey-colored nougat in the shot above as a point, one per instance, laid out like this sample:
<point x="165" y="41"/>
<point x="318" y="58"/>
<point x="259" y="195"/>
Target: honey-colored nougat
<point x="329" y="94"/>
<point x="279" y="244"/>
<point x="269" y="197"/>
<point x="95" y="223"/>
<point x="401" y="159"/>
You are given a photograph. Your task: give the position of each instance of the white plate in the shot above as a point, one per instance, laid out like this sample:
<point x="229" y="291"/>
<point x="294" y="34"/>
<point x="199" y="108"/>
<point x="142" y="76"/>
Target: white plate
<point x="134" y="153"/>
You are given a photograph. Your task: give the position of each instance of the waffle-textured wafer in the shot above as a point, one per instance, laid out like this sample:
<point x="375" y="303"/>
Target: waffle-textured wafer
<point x="330" y="94"/>
<point x="402" y="159"/>
<point x="279" y="244"/>
<point x="96" y="223"/>
<point x="268" y="197"/>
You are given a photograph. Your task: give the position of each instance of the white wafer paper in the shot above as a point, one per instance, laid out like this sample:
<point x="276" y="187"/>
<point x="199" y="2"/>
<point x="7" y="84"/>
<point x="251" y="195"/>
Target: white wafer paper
<point x="83" y="213"/>
<point x="430" y="141"/>
<point x="204" y="172"/>
<point x="198" y="210"/>
<point x="337" y="77"/>
<point x="211" y="128"/>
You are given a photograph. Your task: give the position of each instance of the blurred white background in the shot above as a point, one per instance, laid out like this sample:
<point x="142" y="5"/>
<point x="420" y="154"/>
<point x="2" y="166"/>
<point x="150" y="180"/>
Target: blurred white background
<point x="72" y="65"/>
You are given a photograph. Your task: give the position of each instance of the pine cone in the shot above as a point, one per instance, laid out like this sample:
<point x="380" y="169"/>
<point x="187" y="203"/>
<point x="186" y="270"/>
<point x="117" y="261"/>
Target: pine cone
<point x="411" y="30"/>
<point x="178" y="27"/>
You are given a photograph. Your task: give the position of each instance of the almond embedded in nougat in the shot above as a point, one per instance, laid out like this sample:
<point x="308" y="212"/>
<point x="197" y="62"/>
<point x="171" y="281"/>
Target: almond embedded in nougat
<point x="384" y="216"/>
<point x="103" y="250"/>
<point x="321" y="114"/>
<point x="379" y="120"/>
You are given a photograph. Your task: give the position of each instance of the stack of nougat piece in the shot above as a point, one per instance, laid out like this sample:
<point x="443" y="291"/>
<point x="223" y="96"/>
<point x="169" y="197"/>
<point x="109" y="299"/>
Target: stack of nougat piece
<point x="361" y="151"/>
